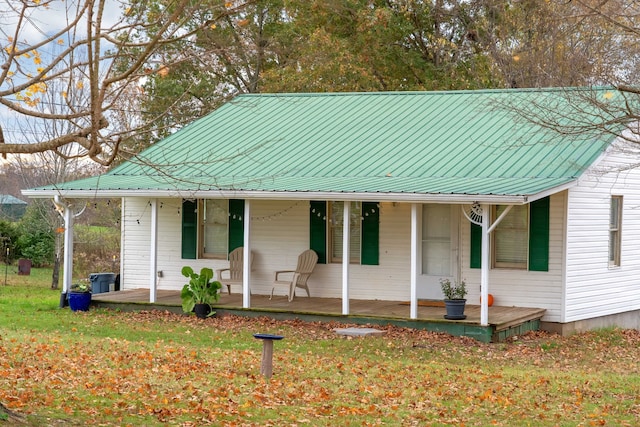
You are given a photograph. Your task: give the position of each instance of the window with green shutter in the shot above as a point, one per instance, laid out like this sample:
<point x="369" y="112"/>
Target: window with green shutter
<point x="476" y="246"/>
<point x="211" y="228"/>
<point x="236" y="224"/>
<point x="539" y="235"/>
<point x="508" y="243"/>
<point x="318" y="229"/>
<point x="326" y="231"/>
<point x="189" y="229"/>
<point x="370" y="233"/>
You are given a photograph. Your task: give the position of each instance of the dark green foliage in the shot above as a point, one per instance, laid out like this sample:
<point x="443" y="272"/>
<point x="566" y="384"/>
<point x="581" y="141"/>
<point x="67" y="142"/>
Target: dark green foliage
<point x="36" y="240"/>
<point x="37" y="247"/>
<point x="8" y="238"/>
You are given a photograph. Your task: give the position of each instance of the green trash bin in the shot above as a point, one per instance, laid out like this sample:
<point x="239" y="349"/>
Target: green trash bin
<point x="101" y="282"/>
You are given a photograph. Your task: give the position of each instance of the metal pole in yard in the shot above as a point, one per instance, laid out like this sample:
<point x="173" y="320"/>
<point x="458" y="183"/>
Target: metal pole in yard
<point x="6" y="266"/>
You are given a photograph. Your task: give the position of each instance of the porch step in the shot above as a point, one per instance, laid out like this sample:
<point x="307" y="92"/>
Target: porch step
<point x="359" y="332"/>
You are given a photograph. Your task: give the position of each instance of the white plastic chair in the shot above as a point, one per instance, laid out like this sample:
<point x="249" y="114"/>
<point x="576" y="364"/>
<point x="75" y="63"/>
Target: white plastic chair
<point x="297" y="278"/>
<point x="234" y="272"/>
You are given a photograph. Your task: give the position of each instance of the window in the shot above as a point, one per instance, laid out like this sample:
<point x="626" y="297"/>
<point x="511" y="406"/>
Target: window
<point x="615" y="221"/>
<point x="516" y="245"/>
<point x="436" y="240"/>
<point x="336" y="215"/>
<point x="511" y="237"/>
<point x="211" y="228"/>
<point x="213" y="215"/>
<point x="325" y="231"/>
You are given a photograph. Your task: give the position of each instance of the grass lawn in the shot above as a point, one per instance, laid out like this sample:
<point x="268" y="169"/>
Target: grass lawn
<point x="108" y="368"/>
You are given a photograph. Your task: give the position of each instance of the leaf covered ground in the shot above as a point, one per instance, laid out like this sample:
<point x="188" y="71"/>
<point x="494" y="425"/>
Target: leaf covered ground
<point x="156" y="368"/>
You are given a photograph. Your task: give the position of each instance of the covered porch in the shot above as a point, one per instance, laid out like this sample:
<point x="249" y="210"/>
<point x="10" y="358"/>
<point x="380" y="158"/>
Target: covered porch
<point x="503" y="323"/>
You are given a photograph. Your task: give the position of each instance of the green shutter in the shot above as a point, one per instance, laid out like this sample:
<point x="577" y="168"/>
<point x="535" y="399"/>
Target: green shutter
<point x="189" y="229"/>
<point x="369" y="254"/>
<point x="476" y="247"/>
<point x="236" y="224"/>
<point x="318" y="229"/>
<point x="539" y="235"/>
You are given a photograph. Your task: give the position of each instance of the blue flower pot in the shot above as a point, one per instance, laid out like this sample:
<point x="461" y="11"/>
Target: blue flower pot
<point x="79" y="301"/>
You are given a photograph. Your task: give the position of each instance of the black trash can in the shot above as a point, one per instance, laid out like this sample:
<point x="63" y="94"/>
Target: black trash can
<point x="101" y="282"/>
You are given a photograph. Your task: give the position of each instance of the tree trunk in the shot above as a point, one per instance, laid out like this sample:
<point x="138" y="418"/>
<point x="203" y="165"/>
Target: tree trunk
<point x="55" y="276"/>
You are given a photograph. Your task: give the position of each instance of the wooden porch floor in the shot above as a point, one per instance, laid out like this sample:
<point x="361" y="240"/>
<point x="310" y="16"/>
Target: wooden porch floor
<point x="503" y="321"/>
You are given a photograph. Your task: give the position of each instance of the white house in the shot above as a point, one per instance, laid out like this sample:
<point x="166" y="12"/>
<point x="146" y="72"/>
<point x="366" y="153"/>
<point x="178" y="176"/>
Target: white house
<point x="426" y="185"/>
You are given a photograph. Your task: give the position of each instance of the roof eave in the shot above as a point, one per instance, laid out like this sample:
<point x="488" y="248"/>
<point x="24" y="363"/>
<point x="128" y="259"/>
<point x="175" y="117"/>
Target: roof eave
<point x="307" y="195"/>
<point x="551" y="191"/>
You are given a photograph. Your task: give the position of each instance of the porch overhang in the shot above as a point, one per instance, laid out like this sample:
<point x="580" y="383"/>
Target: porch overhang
<point x="399" y="197"/>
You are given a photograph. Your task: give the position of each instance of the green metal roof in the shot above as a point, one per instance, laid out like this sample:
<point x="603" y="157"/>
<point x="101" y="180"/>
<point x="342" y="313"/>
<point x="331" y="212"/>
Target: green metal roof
<point x="456" y="145"/>
<point x="7" y="199"/>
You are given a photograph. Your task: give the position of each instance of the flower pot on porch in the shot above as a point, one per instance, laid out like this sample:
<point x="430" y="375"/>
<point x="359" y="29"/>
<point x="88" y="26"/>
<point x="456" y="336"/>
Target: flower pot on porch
<point x="455" y="309"/>
<point x="79" y="301"/>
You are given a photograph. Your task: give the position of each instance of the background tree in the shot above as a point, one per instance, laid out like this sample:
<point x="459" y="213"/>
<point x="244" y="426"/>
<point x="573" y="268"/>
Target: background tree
<point x="596" y="44"/>
<point x="223" y="59"/>
<point x="311" y="46"/>
<point x="132" y="78"/>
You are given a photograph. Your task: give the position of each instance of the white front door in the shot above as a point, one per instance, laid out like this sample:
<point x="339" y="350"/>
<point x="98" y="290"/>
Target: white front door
<point x="439" y="249"/>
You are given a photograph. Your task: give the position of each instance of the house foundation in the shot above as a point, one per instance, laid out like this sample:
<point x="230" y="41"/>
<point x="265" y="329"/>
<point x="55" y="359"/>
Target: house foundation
<point x="627" y="320"/>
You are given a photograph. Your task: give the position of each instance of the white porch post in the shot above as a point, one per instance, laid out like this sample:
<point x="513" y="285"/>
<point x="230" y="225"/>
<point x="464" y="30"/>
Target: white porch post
<point x="484" y="264"/>
<point x="414" y="261"/>
<point x="346" y="240"/>
<point x="67" y="263"/>
<point x="246" y="256"/>
<point x="153" y="252"/>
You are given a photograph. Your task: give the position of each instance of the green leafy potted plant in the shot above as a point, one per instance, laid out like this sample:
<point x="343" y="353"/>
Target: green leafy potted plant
<point x="79" y="296"/>
<point x="200" y="292"/>
<point x="454" y="298"/>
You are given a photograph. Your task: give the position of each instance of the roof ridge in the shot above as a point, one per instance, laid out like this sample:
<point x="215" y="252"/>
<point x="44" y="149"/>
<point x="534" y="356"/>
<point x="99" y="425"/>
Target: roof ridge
<point x="430" y="92"/>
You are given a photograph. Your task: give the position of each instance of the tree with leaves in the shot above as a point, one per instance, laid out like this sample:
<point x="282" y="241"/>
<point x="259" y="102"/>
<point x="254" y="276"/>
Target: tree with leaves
<point x="315" y="46"/>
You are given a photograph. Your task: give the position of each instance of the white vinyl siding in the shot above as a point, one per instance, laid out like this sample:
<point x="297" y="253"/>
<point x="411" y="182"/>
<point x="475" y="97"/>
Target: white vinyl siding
<point x="279" y="232"/>
<point x="135" y="248"/>
<point x="594" y="288"/>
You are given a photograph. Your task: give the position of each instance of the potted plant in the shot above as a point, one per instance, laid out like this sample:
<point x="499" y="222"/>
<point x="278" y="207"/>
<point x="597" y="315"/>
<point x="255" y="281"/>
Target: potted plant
<point x="200" y="292"/>
<point x="80" y="296"/>
<point x="454" y="298"/>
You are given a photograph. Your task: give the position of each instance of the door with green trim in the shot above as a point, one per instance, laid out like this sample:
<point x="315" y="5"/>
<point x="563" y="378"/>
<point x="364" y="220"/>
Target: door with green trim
<point x="439" y="249"/>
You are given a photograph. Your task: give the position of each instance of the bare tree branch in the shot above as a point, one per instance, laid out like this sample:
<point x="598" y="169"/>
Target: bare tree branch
<point x="97" y="56"/>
